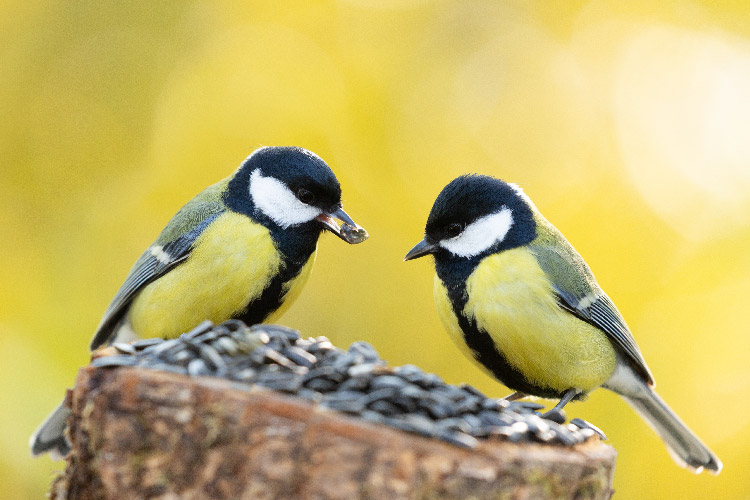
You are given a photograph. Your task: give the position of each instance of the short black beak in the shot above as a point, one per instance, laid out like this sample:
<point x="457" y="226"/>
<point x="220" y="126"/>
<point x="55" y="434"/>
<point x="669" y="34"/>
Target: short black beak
<point x="420" y="250"/>
<point x="349" y="231"/>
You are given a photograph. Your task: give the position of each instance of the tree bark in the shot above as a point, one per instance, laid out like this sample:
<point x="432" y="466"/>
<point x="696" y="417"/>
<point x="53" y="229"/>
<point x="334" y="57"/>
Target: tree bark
<point x="139" y="433"/>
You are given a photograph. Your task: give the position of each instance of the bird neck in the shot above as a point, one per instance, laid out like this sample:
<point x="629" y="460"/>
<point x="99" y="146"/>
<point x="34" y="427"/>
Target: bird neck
<point x="453" y="271"/>
<point x="296" y="243"/>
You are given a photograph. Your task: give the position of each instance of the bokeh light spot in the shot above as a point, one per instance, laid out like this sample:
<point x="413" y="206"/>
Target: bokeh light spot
<point x="682" y="105"/>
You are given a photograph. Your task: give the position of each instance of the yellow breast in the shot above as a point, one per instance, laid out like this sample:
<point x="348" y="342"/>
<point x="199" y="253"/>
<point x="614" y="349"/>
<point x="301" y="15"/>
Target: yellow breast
<point x="233" y="260"/>
<point x="511" y="299"/>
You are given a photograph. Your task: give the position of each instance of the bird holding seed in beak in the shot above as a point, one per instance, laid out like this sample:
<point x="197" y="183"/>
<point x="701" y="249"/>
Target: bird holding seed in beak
<point x="241" y="249"/>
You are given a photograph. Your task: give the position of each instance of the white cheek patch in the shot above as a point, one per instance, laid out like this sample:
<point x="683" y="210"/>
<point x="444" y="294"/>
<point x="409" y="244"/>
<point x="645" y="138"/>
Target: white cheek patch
<point x="480" y="234"/>
<point x="278" y="203"/>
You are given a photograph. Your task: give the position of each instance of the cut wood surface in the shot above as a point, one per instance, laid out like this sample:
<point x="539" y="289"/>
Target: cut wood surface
<point x="140" y="433"/>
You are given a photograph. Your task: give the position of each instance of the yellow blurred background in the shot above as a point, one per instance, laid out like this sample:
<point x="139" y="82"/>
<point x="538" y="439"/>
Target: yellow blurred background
<point x="628" y="123"/>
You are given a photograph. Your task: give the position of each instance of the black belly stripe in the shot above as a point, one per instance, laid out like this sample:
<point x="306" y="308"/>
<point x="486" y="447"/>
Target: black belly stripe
<point x="271" y="298"/>
<point x="296" y="250"/>
<point x="481" y="344"/>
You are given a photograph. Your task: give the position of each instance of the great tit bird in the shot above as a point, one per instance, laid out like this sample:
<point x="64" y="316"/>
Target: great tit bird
<point x="242" y="248"/>
<point x="519" y="300"/>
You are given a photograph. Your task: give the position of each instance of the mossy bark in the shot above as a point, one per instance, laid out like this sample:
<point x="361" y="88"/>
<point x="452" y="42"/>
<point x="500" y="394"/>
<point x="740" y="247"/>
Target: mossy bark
<point x="146" y="434"/>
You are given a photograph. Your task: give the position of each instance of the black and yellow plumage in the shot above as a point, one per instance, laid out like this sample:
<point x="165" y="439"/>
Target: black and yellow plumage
<point x="242" y="248"/>
<point x="518" y="299"/>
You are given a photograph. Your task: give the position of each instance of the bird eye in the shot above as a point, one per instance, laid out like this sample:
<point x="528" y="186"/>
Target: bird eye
<point x="305" y="196"/>
<point x="454" y="230"/>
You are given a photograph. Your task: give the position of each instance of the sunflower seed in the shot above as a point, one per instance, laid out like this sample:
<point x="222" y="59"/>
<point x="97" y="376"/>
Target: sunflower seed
<point x="567" y="436"/>
<point x="354" y="384"/>
<point x="454" y="424"/>
<point x="363" y="370"/>
<point x="384" y="393"/>
<point x="143" y="343"/>
<point x="555" y="415"/>
<point x="201" y="328"/>
<point x="494" y="404"/>
<point x="158" y="349"/>
<point x="460" y="439"/>
<point x="537" y="425"/>
<point x="472" y="391"/>
<point x="124" y="348"/>
<point x="107" y="361"/>
<point x="388" y="382"/>
<point x="582" y="424"/>
<point x="320" y="385"/>
<point x="373" y="416"/>
<point x="300" y="356"/>
<point x="226" y="345"/>
<point x="385" y="407"/>
<point x="212" y="357"/>
<point x="364" y="349"/>
<point x="356" y="381"/>
<point x="345" y="401"/>
<point x="353" y="234"/>
<point x="525" y="406"/>
<point x="438" y="410"/>
<point x="280" y="381"/>
<point x="198" y="367"/>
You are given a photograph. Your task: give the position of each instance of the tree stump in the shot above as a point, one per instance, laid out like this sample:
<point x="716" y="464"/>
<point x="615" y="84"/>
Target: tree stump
<point x="138" y="433"/>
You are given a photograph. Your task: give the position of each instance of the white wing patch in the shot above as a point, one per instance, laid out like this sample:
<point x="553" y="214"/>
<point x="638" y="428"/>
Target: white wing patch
<point x="277" y="202"/>
<point x="158" y="252"/>
<point x="480" y="234"/>
<point x="586" y="301"/>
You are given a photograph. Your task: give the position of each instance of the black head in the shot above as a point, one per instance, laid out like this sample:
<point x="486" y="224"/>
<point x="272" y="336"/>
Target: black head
<point x="474" y="216"/>
<point x="306" y="175"/>
<point x="288" y="188"/>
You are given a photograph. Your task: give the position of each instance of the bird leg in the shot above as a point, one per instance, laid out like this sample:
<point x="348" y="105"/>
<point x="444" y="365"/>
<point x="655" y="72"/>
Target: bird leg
<point x="516" y="395"/>
<point x="566" y="398"/>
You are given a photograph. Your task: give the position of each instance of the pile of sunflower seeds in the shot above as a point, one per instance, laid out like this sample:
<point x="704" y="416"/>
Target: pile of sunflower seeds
<point x="356" y="382"/>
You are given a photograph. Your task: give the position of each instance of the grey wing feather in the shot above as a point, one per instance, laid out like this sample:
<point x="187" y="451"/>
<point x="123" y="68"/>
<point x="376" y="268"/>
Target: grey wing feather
<point x="580" y="294"/>
<point x="603" y="314"/>
<point x="156" y="261"/>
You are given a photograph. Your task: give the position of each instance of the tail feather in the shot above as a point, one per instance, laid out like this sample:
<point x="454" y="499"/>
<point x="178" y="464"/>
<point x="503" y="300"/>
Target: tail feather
<point x="50" y="436"/>
<point x="684" y="446"/>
